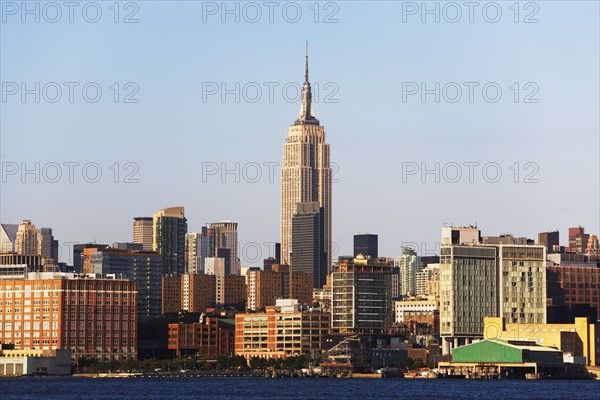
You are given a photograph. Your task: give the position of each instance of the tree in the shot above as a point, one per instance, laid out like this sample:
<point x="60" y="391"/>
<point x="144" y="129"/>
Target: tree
<point x="409" y="363"/>
<point x="273" y="363"/>
<point x="258" y="363"/>
<point x="301" y="362"/>
<point x="222" y="362"/>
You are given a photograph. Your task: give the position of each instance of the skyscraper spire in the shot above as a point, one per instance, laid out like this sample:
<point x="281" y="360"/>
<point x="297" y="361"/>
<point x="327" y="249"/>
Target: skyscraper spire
<point x="306" y="66"/>
<point x="306" y="113"/>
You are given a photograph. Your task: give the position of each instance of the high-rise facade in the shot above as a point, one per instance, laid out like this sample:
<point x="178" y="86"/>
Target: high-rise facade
<point x="578" y="240"/>
<point x="522" y="288"/>
<point x="264" y="288"/>
<point x="306" y="172"/>
<point x="143" y="267"/>
<point x="468" y="292"/>
<point x="194" y="262"/>
<point x="142" y="231"/>
<point x="224" y="235"/>
<point x="478" y="281"/>
<point x="427" y="279"/>
<point x="549" y="239"/>
<point x="366" y="244"/>
<point x="27" y="242"/>
<point x="573" y="282"/>
<point x="361" y="295"/>
<point x="168" y="238"/>
<point x="78" y="249"/>
<point x="408" y="264"/>
<point x="308" y="236"/>
<point x="47" y="246"/>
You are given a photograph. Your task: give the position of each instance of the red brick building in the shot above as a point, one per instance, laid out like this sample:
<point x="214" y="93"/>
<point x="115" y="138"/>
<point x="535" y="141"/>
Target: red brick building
<point x="94" y="318"/>
<point x="574" y="284"/>
<point x="213" y="337"/>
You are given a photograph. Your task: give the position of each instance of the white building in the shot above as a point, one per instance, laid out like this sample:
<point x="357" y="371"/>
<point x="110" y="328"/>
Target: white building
<point x="412" y="306"/>
<point x="35" y="362"/>
<point x="408" y="265"/>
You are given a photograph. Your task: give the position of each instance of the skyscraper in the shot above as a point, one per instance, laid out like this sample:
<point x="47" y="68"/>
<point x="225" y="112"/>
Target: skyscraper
<point x="47" y="246"/>
<point x="169" y="229"/>
<point x="308" y="236"/>
<point x="365" y="244"/>
<point x="361" y="295"/>
<point x="142" y="231"/>
<point x="306" y="172"/>
<point x="194" y="262"/>
<point x="409" y="264"/>
<point x="26" y="243"/>
<point x="224" y="235"/>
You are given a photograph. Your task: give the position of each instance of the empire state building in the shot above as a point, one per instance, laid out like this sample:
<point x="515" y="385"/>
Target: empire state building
<point x="306" y="173"/>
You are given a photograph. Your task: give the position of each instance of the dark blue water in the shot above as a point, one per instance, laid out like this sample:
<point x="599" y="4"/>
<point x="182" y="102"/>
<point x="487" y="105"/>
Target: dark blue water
<point x="260" y="388"/>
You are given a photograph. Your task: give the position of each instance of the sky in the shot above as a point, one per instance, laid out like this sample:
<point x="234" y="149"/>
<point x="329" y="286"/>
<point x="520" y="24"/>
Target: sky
<point x="436" y="113"/>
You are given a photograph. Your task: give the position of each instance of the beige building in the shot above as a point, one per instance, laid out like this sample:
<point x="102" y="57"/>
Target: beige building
<point x="522" y="288"/>
<point x="306" y="172"/>
<point x="142" y="232"/>
<point x="287" y="329"/>
<point x="27" y="242"/>
<point x="193" y="253"/>
<point x="428" y="280"/>
<point x="580" y="338"/>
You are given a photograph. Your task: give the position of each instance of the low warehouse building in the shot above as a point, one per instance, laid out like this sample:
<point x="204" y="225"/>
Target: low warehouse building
<point x="35" y="362"/>
<point x="503" y="359"/>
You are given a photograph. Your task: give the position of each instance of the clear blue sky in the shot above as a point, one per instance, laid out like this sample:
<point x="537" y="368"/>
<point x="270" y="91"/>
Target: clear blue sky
<point x="370" y="56"/>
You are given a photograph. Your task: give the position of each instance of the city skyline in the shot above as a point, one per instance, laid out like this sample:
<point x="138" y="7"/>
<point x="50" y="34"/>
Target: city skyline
<point x="382" y="133"/>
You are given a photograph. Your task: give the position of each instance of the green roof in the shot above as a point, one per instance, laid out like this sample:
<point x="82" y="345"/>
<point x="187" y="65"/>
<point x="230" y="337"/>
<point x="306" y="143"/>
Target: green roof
<point x="500" y="351"/>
